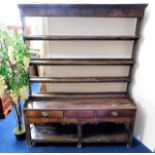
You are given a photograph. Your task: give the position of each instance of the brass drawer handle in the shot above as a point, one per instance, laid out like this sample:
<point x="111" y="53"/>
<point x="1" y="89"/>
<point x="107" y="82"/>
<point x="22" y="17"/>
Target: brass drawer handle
<point x="44" y="114"/>
<point x="114" y="113"/>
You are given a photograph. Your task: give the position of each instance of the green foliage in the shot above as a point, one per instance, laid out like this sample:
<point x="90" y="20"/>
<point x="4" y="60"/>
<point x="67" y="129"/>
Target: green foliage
<point x="14" y="62"/>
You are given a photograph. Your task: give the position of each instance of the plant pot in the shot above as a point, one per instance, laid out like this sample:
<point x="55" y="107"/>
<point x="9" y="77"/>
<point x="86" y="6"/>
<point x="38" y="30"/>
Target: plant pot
<point x="20" y="134"/>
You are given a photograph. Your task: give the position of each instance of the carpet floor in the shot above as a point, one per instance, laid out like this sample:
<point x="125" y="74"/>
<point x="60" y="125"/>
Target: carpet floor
<point x="9" y="144"/>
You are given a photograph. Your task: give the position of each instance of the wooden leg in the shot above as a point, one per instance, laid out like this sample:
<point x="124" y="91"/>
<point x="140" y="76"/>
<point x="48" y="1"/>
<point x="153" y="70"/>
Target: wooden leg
<point x="130" y="135"/>
<point x="28" y="133"/>
<point x="79" y="126"/>
<point x="79" y="145"/>
<point x="30" y="145"/>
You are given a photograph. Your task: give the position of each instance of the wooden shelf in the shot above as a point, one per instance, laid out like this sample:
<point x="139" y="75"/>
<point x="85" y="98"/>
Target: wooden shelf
<point x="78" y="79"/>
<point x="78" y="61"/>
<point x="54" y="133"/>
<point x="57" y="133"/>
<point x="78" y="95"/>
<point x="105" y="133"/>
<point x="71" y="38"/>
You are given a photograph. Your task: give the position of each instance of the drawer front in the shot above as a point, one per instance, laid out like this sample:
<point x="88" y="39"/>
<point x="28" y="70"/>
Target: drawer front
<point x="115" y="113"/>
<point x="79" y="114"/>
<point x="45" y="113"/>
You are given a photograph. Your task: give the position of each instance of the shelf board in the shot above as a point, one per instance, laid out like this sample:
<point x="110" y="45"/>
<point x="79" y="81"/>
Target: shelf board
<point x="54" y="133"/>
<point x="57" y="133"/>
<point x="78" y="61"/>
<point x="50" y="37"/>
<point x="105" y="132"/>
<point x="79" y="95"/>
<point x="78" y="79"/>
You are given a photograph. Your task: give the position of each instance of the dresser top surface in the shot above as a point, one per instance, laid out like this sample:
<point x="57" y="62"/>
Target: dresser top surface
<point x="84" y="5"/>
<point x="81" y="104"/>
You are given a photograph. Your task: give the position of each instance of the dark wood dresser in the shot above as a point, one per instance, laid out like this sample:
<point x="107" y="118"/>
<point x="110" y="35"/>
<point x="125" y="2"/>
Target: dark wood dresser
<point x="82" y="117"/>
<point x="5" y="106"/>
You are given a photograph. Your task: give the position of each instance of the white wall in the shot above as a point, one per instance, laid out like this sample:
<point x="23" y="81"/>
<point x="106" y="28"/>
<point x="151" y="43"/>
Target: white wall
<point x="143" y="87"/>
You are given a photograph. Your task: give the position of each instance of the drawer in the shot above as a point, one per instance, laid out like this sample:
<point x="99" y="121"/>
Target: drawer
<point x="79" y="114"/>
<point x="45" y="113"/>
<point x="115" y="113"/>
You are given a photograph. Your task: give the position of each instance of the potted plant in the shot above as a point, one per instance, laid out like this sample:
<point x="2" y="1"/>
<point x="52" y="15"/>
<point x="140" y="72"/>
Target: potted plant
<point x="14" y="64"/>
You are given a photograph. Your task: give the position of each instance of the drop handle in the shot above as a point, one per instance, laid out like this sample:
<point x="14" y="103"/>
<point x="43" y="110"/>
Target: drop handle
<point x="44" y="114"/>
<point x="114" y="113"/>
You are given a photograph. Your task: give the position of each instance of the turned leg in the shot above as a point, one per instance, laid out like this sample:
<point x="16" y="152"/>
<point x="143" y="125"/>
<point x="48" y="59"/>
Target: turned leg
<point x="130" y="135"/>
<point x="28" y="133"/>
<point x="79" y="130"/>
